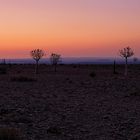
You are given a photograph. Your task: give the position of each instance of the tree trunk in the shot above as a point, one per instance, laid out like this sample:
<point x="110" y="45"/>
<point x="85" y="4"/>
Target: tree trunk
<point x="55" y="67"/>
<point x="114" y="68"/>
<point x="36" y="68"/>
<point x="126" y="63"/>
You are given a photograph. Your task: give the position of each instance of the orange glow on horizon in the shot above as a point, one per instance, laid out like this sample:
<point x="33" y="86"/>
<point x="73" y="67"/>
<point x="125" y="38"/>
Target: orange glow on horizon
<point x="72" y="28"/>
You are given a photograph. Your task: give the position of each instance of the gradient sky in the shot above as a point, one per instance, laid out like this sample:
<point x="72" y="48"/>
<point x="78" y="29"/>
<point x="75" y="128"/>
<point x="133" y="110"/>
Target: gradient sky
<point x="69" y="27"/>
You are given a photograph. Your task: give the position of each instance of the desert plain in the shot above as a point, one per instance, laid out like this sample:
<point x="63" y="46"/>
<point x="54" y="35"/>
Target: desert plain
<point x="77" y="102"/>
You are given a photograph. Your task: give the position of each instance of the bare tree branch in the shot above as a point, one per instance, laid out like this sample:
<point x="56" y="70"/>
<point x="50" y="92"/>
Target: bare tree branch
<point x="37" y="54"/>
<point x="55" y="59"/>
<point x="126" y="53"/>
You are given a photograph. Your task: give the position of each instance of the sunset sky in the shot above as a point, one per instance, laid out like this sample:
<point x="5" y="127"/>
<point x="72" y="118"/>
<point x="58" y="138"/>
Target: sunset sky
<point x="69" y="27"/>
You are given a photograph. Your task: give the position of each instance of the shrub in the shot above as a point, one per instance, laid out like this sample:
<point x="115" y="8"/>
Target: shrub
<point x="74" y="66"/>
<point x="92" y="74"/>
<point x="69" y="80"/>
<point x="54" y="130"/>
<point x="37" y="54"/>
<point x="22" y="79"/>
<point x="3" y="70"/>
<point x="115" y="73"/>
<point x="9" y="134"/>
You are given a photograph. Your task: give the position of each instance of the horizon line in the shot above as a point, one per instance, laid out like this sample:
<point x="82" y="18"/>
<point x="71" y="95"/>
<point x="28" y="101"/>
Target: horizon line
<point x="99" y="57"/>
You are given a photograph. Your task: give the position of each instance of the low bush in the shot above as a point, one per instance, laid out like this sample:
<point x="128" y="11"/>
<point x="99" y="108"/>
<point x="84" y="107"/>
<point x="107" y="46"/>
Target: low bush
<point x="22" y="79"/>
<point x="3" y="70"/>
<point x="54" y="131"/>
<point x="92" y="74"/>
<point x="9" y="134"/>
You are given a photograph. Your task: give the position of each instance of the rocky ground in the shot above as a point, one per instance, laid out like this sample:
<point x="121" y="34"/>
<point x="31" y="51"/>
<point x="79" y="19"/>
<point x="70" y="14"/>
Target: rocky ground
<point x="77" y="102"/>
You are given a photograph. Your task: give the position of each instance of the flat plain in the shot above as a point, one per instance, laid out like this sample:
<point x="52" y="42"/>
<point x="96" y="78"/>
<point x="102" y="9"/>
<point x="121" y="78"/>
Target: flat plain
<point x="78" y="102"/>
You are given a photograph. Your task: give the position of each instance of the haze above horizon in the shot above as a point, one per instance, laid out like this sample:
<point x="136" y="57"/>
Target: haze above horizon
<point x="69" y="27"/>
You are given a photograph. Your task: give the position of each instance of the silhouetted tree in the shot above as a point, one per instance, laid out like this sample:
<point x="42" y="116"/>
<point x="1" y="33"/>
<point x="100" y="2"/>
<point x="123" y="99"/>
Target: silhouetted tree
<point x="37" y="54"/>
<point x="126" y="53"/>
<point x="135" y="59"/>
<point x="55" y="59"/>
<point x="3" y="61"/>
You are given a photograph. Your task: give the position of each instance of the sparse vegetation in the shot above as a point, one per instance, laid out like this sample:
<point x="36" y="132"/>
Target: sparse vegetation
<point x="135" y="59"/>
<point x="9" y="134"/>
<point x="55" y="59"/>
<point x="114" y="68"/>
<point x="3" y="61"/>
<point x="3" y="70"/>
<point x="54" y="131"/>
<point x="126" y="53"/>
<point x="37" y="54"/>
<point x="92" y="74"/>
<point x="22" y="79"/>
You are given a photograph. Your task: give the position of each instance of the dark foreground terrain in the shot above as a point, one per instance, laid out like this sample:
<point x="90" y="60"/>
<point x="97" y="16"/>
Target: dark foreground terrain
<point x="77" y="102"/>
